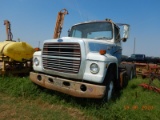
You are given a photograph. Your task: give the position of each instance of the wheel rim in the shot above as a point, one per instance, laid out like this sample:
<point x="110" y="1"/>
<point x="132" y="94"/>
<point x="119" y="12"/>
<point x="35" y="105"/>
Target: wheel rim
<point x="110" y="90"/>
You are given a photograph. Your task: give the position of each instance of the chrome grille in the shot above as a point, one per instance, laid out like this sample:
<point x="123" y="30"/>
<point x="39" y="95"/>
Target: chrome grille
<point x="62" y="57"/>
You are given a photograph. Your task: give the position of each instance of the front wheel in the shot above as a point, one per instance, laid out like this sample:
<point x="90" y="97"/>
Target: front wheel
<point x="109" y="88"/>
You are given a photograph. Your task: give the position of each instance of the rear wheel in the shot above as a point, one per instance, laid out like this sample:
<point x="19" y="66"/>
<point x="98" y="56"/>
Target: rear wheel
<point x="131" y="71"/>
<point x="125" y="80"/>
<point x="134" y="71"/>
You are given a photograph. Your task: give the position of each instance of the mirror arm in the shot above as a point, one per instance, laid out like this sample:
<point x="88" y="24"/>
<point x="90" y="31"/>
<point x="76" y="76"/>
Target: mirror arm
<point x="123" y="39"/>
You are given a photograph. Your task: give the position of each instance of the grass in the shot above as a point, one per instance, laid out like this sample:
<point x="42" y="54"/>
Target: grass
<point x="18" y="108"/>
<point x="21" y="99"/>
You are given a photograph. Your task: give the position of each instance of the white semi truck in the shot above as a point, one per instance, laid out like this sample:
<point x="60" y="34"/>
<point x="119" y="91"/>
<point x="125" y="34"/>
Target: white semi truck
<point x="86" y="63"/>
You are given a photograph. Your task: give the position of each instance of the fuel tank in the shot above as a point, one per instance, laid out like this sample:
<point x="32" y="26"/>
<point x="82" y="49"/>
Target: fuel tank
<point x="18" y="51"/>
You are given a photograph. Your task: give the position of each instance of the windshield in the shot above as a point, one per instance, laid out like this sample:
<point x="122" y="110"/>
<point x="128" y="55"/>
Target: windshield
<point x="94" y="30"/>
<point x="137" y="56"/>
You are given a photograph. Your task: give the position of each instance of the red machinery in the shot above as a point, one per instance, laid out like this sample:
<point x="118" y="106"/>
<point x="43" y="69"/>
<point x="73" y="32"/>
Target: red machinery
<point x="151" y="85"/>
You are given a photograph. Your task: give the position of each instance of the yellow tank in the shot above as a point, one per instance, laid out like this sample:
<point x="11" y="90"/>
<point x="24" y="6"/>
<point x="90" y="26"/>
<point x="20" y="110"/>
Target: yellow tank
<point x="18" y="51"/>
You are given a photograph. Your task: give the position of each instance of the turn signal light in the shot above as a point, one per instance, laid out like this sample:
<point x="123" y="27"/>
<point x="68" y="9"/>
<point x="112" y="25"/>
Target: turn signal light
<point x="102" y="52"/>
<point x="37" y="49"/>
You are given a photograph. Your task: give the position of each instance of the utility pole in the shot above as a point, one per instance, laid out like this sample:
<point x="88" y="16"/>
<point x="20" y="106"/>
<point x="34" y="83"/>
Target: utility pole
<point x="134" y="46"/>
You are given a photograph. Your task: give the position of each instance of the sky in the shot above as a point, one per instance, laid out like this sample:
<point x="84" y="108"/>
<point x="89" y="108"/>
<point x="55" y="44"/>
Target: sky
<point x="33" y="21"/>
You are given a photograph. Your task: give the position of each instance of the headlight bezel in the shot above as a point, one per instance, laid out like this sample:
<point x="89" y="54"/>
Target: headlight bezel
<point x="94" y="68"/>
<point x="36" y="61"/>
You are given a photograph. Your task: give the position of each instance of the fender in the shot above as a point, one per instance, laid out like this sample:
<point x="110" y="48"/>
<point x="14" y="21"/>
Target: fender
<point x="103" y="61"/>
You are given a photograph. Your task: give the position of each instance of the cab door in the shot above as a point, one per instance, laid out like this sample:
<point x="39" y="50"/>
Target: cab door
<point x="118" y="48"/>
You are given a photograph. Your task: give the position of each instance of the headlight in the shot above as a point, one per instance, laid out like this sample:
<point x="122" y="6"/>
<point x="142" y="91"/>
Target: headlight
<point x="94" y="68"/>
<point x="36" y="61"/>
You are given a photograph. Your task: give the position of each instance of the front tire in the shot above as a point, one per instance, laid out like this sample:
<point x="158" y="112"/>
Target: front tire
<point x="110" y="90"/>
<point x="110" y="86"/>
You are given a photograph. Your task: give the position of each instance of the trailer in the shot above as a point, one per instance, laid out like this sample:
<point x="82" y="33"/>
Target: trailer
<point x="15" y="57"/>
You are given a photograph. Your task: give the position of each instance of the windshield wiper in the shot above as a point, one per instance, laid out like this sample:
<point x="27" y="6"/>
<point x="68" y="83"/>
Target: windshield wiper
<point x="101" y="38"/>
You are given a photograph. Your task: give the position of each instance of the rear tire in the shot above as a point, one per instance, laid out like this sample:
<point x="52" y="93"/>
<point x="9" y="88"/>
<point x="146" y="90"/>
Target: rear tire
<point x="134" y="71"/>
<point x="125" y="80"/>
<point x="131" y="71"/>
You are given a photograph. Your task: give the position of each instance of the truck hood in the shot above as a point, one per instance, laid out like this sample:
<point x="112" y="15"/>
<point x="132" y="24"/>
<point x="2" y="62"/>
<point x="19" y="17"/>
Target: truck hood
<point x="93" y="45"/>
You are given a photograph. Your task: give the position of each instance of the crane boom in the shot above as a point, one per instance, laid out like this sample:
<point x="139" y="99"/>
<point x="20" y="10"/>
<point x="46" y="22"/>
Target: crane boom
<point x="8" y="30"/>
<point x="59" y="23"/>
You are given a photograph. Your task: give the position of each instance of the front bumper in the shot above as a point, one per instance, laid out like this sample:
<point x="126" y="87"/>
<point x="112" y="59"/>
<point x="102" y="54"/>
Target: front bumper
<point x="74" y="88"/>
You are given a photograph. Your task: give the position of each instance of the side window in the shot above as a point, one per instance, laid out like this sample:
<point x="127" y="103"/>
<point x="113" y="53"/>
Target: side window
<point x="117" y="34"/>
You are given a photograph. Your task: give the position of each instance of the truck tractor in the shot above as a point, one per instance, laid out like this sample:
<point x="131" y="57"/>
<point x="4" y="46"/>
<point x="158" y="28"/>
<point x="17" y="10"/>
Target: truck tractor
<point x="85" y="64"/>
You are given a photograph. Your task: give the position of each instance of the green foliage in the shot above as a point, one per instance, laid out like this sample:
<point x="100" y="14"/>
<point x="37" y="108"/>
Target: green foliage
<point x="18" y="87"/>
<point x="133" y="102"/>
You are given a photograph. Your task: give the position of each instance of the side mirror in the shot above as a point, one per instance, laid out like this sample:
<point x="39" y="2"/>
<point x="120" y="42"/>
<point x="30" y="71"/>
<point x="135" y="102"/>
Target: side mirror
<point x="69" y="32"/>
<point x="125" y="32"/>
